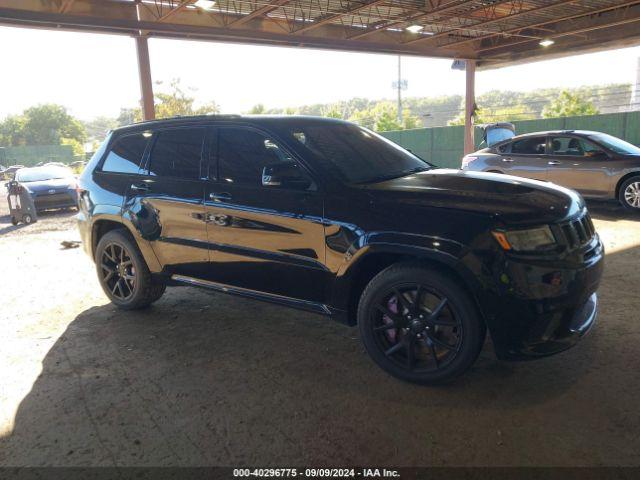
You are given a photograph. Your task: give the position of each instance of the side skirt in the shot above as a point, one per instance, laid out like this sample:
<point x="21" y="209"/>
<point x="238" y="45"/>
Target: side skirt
<point x="265" y="297"/>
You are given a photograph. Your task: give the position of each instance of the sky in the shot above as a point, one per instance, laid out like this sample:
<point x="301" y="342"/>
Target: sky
<point x="95" y="75"/>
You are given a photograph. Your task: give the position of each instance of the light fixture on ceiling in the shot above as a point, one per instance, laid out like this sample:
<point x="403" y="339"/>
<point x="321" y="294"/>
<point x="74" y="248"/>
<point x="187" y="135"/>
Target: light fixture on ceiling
<point x="205" y="4"/>
<point x="547" y="42"/>
<point x="415" y="28"/>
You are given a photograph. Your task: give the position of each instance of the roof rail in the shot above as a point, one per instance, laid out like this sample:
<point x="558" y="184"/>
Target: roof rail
<point x="190" y="117"/>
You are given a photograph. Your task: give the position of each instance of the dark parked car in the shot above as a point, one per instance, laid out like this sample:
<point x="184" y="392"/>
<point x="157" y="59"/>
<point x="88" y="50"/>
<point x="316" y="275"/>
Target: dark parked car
<point x="595" y="164"/>
<point x="50" y="187"/>
<point x="325" y="216"/>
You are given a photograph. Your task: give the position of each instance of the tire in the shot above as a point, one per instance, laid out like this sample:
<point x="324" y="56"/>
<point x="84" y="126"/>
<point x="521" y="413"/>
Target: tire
<point x="444" y="334"/>
<point x="14" y="221"/>
<point x="629" y="194"/>
<point x="27" y="219"/>
<point x="123" y="274"/>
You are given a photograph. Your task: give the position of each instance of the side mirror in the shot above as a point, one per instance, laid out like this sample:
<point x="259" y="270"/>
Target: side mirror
<point x="285" y="175"/>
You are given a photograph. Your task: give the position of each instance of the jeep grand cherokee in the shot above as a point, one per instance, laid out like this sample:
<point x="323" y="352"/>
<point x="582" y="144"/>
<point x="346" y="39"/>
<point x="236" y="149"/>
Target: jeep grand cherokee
<point x="326" y="216"/>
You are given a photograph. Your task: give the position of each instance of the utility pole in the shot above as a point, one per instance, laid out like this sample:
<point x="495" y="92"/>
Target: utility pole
<point x="399" y="89"/>
<point x="400" y="85"/>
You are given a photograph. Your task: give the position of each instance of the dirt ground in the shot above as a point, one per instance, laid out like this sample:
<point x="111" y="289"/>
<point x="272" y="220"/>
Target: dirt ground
<point x="207" y="379"/>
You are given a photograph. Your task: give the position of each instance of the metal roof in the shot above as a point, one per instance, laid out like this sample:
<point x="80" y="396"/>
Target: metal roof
<point x="495" y="32"/>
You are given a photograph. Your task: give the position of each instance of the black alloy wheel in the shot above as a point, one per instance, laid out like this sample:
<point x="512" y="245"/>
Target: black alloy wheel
<point x="419" y="325"/>
<point x="118" y="271"/>
<point x="123" y="274"/>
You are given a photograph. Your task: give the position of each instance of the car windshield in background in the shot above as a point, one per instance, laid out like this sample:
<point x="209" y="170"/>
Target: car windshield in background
<point x="356" y="154"/>
<point x="615" y="144"/>
<point x="27" y="175"/>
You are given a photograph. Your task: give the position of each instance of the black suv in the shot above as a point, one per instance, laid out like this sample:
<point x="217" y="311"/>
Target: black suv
<point x="326" y="216"/>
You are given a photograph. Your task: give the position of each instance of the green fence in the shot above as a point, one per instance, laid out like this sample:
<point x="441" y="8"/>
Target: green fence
<point x="32" y="155"/>
<point x="444" y="146"/>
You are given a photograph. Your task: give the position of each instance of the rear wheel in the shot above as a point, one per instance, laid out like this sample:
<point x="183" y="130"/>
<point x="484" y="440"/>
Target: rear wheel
<point x="27" y="218"/>
<point x="419" y="325"/>
<point x="123" y="273"/>
<point x="629" y="194"/>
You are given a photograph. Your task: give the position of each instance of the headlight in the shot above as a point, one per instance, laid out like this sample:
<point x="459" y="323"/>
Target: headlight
<point x="530" y="240"/>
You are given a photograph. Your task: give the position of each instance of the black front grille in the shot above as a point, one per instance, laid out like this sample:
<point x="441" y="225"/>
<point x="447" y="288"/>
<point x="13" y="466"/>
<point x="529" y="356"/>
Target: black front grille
<point x="578" y="232"/>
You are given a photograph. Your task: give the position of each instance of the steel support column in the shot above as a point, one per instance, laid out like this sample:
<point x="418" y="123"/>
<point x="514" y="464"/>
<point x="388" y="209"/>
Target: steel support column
<point x="144" y="73"/>
<point x="469" y="104"/>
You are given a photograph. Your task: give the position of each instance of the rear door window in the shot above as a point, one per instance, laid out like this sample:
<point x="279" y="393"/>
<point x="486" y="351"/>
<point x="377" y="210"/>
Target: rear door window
<point x="529" y="146"/>
<point x="126" y="154"/>
<point x="177" y="153"/>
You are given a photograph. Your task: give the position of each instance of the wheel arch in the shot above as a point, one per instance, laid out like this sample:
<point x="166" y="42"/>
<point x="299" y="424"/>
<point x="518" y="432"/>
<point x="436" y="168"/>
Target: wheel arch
<point x="627" y="176"/>
<point x="107" y="221"/>
<point x="367" y="266"/>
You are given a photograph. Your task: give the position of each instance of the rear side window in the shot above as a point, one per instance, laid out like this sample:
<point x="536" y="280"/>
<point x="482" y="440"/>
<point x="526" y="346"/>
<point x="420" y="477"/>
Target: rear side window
<point x="529" y="146"/>
<point x="177" y="153"/>
<point x="126" y="154"/>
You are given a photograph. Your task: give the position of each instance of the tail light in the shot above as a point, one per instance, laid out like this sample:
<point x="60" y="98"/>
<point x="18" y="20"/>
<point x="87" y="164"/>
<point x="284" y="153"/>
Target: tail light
<point x="467" y="159"/>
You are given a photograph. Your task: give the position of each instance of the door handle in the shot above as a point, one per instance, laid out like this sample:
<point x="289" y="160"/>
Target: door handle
<point x="218" y="197"/>
<point x="507" y="160"/>
<point x="554" y="162"/>
<point x="140" y="187"/>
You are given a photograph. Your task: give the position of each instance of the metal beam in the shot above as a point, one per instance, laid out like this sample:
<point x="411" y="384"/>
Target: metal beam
<point x="173" y="11"/>
<point x="132" y="26"/>
<point x="331" y="18"/>
<point x="546" y="22"/>
<point x="492" y="21"/>
<point x="258" y="13"/>
<point x="441" y="9"/>
<point x="469" y="106"/>
<point x="578" y="31"/>
<point x="144" y="73"/>
<point x="66" y="6"/>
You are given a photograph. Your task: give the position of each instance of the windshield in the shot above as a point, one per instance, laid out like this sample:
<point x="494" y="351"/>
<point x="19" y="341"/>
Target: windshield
<point x="26" y="175"/>
<point x="357" y="155"/>
<point x="615" y="144"/>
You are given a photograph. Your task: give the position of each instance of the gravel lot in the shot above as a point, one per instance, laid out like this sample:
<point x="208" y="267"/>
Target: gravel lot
<point x="208" y="379"/>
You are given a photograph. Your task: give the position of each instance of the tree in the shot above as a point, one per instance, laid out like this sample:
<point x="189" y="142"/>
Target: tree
<point x="172" y="103"/>
<point x="12" y="131"/>
<point x="98" y="127"/>
<point x="48" y="124"/>
<point x="383" y="117"/>
<point x="258" y="109"/>
<point x="569" y="105"/>
<point x="501" y="114"/>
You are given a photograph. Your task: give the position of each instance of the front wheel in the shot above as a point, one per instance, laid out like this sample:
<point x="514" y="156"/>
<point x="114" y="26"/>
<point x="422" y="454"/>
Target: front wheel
<point x="123" y="273"/>
<point x="419" y="325"/>
<point x="629" y="195"/>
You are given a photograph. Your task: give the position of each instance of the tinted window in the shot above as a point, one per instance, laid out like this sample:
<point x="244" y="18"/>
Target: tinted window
<point x="615" y="144"/>
<point x="572" y="146"/>
<point x="176" y="153"/>
<point x="126" y="154"/>
<point x="529" y="146"/>
<point x="355" y="154"/>
<point x="243" y="153"/>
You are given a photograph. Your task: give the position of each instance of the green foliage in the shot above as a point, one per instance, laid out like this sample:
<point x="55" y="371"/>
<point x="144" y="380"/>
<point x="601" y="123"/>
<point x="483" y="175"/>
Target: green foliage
<point x="383" y="117"/>
<point x="98" y="127"/>
<point x="172" y="103"/>
<point x="569" y="105"/>
<point x="257" y="109"/>
<point x="500" y="114"/>
<point x="46" y="124"/>
<point x="12" y="132"/>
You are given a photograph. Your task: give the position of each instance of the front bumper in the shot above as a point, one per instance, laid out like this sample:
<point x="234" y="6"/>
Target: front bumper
<point x="57" y="199"/>
<point x="541" y="308"/>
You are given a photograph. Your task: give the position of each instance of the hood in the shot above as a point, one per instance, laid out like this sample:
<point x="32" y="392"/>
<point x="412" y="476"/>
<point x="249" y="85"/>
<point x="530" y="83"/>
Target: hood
<point x="512" y="200"/>
<point x="54" y="183"/>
